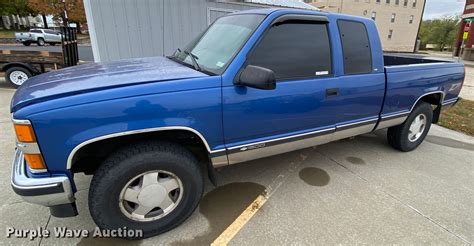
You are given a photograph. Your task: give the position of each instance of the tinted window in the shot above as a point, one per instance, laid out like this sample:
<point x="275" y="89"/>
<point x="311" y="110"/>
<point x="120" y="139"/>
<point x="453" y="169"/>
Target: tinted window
<point x="356" y="47"/>
<point x="294" y="50"/>
<point x="36" y="31"/>
<point x="50" y="32"/>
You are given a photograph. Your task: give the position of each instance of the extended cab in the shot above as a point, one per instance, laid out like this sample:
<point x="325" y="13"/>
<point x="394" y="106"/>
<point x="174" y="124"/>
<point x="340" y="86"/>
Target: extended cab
<point x="254" y="84"/>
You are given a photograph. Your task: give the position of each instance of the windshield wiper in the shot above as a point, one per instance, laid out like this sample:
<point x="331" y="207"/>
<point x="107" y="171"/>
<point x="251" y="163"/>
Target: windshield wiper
<point x="193" y="59"/>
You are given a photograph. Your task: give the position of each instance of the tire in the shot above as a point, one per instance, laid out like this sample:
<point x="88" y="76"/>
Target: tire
<point x="16" y="76"/>
<point x="52" y="44"/>
<point x="121" y="168"/>
<point x="40" y="42"/>
<point x="402" y="138"/>
<point x="26" y="43"/>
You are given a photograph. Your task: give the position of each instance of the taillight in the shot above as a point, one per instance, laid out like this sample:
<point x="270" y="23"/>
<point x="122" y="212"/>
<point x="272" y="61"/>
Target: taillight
<point x="27" y="143"/>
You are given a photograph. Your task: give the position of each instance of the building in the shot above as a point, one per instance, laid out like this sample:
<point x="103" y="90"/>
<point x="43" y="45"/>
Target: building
<point x="466" y="26"/>
<point x="122" y="29"/>
<point x="398" y="21"/>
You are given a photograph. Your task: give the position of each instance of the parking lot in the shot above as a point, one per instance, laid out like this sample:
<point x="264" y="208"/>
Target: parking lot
<point x="357" y="190"/>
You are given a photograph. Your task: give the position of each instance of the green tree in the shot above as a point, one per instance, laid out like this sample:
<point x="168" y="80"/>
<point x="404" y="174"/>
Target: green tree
<point x="14" y="7"/>
<point x="440" y="32"/>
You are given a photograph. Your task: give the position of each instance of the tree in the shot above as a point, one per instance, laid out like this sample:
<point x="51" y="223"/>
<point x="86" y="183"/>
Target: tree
<point x="441" y="32"/>
<point x="74" y="9"/>
<point x="14" y="7"/>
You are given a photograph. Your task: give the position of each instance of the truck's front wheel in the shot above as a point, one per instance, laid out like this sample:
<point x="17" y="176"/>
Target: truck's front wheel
<point x="151" y="186"/>
<point x="409" y="135"/>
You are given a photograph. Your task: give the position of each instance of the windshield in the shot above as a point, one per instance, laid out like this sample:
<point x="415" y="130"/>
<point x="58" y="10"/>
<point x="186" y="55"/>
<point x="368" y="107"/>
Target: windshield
<point x="214" y="50"/>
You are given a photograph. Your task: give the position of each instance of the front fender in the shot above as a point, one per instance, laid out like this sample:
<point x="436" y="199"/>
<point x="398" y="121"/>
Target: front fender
<point x="62" y="130"/>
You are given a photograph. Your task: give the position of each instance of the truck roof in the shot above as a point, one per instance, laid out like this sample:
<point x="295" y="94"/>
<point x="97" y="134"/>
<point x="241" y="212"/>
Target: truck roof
<point x="268" y="11"/>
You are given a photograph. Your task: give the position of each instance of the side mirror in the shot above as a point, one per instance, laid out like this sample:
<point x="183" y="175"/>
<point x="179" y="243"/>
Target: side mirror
<point x="257" y="77"/>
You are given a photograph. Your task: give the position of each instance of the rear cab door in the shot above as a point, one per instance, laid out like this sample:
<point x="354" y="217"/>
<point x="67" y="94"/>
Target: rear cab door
<point x="51" y="36"/>
<point x="361" y="84"/>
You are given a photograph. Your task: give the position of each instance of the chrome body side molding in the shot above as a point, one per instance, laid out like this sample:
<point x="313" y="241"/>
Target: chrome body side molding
<point x="354" y="129"/>
<point x="393" y="119"/>
<point x="451" y="101"/>
<point x="216" y="153"/>
<point x="277" y="146"/>
<point x="271" y="147"/>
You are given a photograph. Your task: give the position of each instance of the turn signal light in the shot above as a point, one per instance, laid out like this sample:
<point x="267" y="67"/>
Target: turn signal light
<point x="25" y="133"/>
<point x="35" y="161"/>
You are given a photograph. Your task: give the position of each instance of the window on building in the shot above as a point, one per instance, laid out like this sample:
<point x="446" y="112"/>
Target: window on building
<point x="411" y="19"/>
<point x="377" y="1"/>
<point x="355" y="46"/>
<point x="397" y="2"/>
<point x="387" y="1"/>
<point x="392" y="19"/>
<point x="405" y="3"/>
<point x="390" y="34"/>
<point x="414" y="3"/>
<point x="374" y="15"/>
<point x="294" y="50"/>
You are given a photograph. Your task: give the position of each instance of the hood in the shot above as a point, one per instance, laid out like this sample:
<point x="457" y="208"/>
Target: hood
<point x="99" y="76"/>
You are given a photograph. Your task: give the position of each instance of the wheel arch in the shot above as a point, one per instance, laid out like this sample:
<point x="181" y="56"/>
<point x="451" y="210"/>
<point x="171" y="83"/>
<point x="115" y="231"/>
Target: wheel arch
<point x="19" y="64"/>
<point x="190" y="138"/>
<point x="434" y="98"/>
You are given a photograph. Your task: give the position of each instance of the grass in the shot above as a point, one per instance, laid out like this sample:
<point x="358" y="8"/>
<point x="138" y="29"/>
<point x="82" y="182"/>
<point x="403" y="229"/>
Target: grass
<point x="459" y="118"/>
<point x="7" y="34"/>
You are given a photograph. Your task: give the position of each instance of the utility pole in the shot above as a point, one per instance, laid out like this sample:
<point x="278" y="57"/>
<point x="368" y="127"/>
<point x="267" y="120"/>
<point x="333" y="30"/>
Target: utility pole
<point x="65" y="20"/>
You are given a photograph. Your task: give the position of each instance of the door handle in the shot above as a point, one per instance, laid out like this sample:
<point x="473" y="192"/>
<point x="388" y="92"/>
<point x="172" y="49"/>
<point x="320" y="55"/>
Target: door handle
<point x="333" y="92"/>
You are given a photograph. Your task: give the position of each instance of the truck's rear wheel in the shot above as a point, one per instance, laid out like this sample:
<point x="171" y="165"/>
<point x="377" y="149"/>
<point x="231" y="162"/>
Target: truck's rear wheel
<point x="152" y="186"/>
<point x="409" y="135"/>
<point x="16" y="76"/>
<point x="26" y="43"/>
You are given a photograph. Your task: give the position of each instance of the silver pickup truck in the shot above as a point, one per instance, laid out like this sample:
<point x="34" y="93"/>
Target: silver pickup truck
<point x="38" y="36"/>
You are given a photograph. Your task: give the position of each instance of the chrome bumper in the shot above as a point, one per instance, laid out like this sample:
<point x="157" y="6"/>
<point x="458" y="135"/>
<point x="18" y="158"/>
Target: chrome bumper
<point x="50" y="191"/>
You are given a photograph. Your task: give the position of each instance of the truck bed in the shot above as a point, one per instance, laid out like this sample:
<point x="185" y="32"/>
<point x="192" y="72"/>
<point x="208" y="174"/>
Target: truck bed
<point x="410" y="77"/>
<point x="401" y="59"/>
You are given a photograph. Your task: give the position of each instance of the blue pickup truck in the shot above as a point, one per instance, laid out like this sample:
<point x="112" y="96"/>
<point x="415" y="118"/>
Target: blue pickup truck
<point x="254" y="84"/>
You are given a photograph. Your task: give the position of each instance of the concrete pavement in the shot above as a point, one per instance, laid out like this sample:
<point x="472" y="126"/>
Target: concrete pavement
<point x="356" y="190"/>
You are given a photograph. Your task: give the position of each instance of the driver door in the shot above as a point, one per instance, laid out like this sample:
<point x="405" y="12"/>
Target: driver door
<point x="295" y="115"/>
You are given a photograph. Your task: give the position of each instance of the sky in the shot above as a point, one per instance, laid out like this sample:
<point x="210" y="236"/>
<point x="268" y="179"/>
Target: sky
<point x="439" y="8"/>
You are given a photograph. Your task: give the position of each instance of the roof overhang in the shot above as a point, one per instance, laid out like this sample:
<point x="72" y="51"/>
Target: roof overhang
<point x="298" y="4"/>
